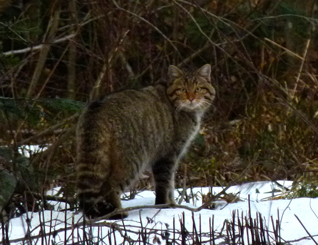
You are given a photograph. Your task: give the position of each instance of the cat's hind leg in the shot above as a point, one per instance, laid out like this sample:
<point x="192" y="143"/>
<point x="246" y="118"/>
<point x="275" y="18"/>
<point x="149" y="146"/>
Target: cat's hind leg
<point x="111" y="195"/>
<point x="95" y="205"/>
<point x="163" y="172"/>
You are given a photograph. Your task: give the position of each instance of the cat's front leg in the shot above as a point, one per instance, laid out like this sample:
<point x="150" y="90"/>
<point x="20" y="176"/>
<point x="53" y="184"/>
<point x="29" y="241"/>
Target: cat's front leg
<point x="163" y="171"/>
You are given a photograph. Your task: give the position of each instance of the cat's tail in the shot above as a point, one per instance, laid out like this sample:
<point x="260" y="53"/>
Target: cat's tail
<point x="96" y="190"/>
<point x="90" y="178"/>
<point x="93" y="166"/>
<point x="96" y="196"/>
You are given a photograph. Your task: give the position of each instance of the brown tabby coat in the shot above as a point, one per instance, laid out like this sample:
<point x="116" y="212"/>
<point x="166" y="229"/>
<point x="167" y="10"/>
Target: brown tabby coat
<point x="126" y="132"/>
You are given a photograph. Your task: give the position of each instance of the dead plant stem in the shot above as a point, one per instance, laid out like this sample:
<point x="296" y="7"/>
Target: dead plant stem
<point x="306" y="230"/>
<point x="301" y="68"/>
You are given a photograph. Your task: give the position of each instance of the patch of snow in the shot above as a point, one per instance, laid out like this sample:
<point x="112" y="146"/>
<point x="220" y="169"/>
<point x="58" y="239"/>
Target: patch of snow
<point x="159" y="221"/>
<point x="29" y="150"/>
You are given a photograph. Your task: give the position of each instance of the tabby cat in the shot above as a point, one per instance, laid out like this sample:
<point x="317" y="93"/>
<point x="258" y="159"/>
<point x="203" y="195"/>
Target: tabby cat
<point x="126" y="132"/>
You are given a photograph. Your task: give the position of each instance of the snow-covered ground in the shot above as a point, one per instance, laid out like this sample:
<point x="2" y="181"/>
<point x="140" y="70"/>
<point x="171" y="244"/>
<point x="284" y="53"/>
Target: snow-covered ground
<point x="158" y="224"/>
<point x="260" y="202"/>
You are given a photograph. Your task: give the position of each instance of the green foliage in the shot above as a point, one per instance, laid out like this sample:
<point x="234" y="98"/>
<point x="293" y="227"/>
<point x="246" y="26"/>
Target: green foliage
<point x="193" y="32"/>
<point x="7" y="184"/>
<point x="20" y="167"/>
<point x="286" y="8"/>
<point x="36" y="112"/>
<point x="17" y="175"/>
<point x="19" y="31"/>
<point x="7" y="62"/>
<point x="304" y="188"/>
<point x="8" y="108"/>
<point x="61" y="106"/>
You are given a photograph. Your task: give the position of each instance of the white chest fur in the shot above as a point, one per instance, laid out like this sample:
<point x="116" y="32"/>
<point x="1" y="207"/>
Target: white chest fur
<point x="191" y="137"/>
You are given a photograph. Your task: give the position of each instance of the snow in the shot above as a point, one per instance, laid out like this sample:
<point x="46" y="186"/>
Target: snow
<point x="158" y="223"/>
<point x="150" y="225"/>
<point x="29" y="150"/>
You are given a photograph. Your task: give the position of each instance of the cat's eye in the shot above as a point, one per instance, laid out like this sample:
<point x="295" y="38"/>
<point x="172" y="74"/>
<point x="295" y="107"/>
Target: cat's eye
<point x="198" y="89"/>
<point x="183" y="90"/>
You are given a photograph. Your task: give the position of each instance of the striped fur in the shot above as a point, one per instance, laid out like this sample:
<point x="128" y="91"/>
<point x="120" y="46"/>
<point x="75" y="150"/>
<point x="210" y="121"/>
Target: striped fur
<point x="126" y="132"/>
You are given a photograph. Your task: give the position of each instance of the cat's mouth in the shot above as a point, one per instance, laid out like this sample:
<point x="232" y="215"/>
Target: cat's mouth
<point x="193" y="105"/>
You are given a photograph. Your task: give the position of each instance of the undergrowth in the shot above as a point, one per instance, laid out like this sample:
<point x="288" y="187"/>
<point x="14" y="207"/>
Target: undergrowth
<point x="55" y="56"/>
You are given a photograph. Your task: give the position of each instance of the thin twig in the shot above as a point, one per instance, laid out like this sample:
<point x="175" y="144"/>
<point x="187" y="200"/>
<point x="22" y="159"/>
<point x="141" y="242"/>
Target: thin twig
<point x="301" y="68"/>
<point x="49" y="153"/>
<point x="306" y="230"/>
<point x="287" y="50"/>
<point x="196" y="53"/>
<point x="38" y="47"/>
<point x="59" y="40"/>
<point x="49" y="130"/>
<point x="148" y="23"/>
<point x="106" y="66"/>
<point x="195" y="22"/>
<point x="203" y="206"/>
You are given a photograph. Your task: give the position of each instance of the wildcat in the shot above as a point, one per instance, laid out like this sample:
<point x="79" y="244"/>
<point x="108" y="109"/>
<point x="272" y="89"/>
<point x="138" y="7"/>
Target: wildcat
<point x="124" y="133"/>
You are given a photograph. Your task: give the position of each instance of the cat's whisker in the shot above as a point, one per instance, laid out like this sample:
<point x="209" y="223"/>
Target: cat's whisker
<point x="179" y="108"/>
<point x="207" y="103"/>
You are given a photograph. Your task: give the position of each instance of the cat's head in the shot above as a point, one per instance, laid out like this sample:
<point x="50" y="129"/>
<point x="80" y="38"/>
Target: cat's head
<point x="191" y="91"/>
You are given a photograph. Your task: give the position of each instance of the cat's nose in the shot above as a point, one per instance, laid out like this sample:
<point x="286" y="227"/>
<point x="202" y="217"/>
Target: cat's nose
<point x="191" y="97"/>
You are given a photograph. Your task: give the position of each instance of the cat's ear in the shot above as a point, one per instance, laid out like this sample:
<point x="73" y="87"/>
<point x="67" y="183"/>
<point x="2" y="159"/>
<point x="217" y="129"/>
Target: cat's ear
<point x="174" y="72"/>
<point x="205" y="71"/>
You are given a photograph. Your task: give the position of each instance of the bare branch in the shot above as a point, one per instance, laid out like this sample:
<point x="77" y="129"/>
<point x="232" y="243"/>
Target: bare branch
<point x="59" y="40"/>
<point x="107" y="65"/>
<point x="49" y="130"/>
<point x="38" y="47"/>
<point x="148" y="23"/>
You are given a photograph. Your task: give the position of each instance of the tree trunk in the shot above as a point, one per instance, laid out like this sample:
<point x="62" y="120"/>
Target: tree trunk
<point x="47" y="40"/>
